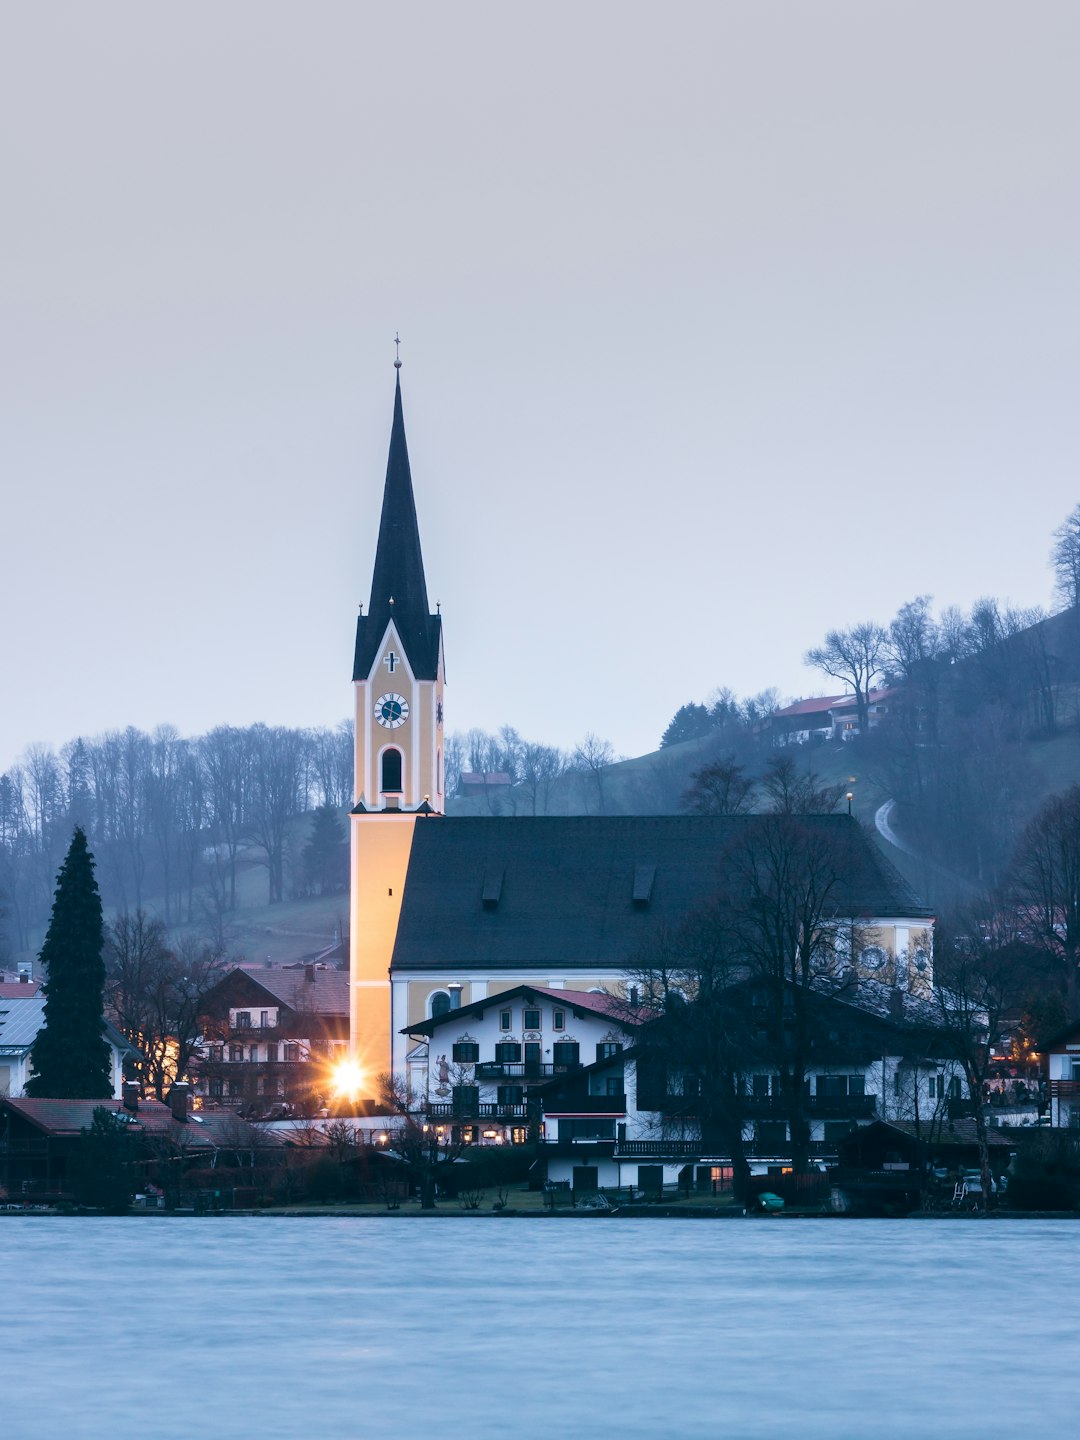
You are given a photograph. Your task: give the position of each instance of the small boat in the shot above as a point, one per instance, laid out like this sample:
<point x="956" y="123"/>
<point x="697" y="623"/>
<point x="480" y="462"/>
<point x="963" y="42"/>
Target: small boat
<point x="770" y="1204"/>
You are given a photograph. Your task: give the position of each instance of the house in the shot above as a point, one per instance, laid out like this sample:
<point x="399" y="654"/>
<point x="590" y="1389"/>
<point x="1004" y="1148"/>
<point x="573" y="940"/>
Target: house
<point x="844" y="713"/>
<point x="1061" y="1057"/>
<point x="827" y="717"/>
<point x="624" y="1121"/>
<point x="271" y="1037"/>
<point x="802" y="721"/>
<point x="22" y="1015"/>
<point x="39" y="1137"/>
<point x="479" y="1069"/>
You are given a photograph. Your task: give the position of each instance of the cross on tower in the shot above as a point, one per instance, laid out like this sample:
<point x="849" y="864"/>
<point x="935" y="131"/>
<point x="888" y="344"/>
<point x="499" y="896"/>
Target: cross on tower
<point x="391" y="661"/>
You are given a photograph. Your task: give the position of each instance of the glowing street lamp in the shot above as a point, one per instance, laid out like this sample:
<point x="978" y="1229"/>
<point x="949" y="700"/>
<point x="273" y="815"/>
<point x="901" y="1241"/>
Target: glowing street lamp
<point x="347" y="1080"/>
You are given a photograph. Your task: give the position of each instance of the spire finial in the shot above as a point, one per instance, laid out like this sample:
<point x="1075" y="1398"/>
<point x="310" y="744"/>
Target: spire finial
<point x="397" y="351"/>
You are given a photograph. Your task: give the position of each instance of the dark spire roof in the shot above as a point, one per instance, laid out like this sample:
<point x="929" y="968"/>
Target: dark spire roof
<point x="398" y="587"/>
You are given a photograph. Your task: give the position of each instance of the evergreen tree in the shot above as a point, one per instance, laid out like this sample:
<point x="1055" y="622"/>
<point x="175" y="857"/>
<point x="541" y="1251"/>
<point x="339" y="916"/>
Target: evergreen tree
<point x="100" y="1170"/>
<point x="326" y="856"/>
<point x="689" y="722"/>
<point x="71" y="1058"/>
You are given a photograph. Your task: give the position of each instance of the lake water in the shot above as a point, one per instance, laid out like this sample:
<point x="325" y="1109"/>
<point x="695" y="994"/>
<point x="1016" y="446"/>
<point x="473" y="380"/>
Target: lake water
<point x="180" y="1329"/>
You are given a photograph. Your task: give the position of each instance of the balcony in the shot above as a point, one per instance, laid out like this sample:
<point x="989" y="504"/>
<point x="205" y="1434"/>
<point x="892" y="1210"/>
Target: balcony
<point x="681" y="1149"/>
<point x="765" y="1107"/>
<point x="531" y="1072"/>
<point x="590" y="1105"/>
<point x="815" y="1107"/>
<point x="1065" y="1089"/>
<point x="484" y="1111"/>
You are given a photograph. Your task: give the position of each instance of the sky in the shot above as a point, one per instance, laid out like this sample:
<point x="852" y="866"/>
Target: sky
<point x="722" y="325"/>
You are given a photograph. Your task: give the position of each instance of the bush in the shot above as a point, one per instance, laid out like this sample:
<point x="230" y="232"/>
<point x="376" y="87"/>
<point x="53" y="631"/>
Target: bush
<point x="1040" y="1192"/>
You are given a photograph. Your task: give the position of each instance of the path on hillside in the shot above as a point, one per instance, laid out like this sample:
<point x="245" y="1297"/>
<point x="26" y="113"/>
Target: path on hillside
<point x="884" y="825"/>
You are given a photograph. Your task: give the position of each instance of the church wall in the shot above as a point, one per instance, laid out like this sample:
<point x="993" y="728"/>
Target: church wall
<point x="381" y="845"/>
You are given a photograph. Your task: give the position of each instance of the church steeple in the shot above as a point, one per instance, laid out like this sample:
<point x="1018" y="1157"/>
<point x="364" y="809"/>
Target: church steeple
<point x="398" y="586"/>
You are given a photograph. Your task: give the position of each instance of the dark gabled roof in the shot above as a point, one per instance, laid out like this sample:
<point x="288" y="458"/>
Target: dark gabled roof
<point x="325" y="993"/>
<point x="398" y="587"/>
<point x="69" y="1117"/>
<point x="566" y="897"/>
<point x="960" y="1133"/>
<point x="603" y="1006"/>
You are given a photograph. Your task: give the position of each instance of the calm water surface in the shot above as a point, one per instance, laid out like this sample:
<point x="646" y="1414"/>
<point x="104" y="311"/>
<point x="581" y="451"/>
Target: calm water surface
<point x="394" y="1327"/>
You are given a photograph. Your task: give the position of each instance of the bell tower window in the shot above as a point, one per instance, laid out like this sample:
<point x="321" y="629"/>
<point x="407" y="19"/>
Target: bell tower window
<point x="391" y="772"/>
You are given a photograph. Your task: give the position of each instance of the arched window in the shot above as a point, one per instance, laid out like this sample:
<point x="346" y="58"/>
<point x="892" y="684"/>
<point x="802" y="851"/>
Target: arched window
<point x="391" y="771"/>
<point x="439" y="1004"/>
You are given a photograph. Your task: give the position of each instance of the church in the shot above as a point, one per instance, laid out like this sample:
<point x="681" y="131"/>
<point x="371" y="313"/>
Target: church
<point x="448" y="911"/>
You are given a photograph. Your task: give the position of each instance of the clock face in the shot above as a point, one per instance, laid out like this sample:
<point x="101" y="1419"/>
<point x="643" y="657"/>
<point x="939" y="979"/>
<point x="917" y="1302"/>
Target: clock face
<point x="391" y="711"/>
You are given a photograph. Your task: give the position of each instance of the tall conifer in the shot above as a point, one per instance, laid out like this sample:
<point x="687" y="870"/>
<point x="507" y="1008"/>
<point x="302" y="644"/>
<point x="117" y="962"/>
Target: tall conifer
<point x="71" y="1058"/>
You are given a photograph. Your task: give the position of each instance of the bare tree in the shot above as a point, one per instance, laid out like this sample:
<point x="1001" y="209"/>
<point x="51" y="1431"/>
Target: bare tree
<point x="541" y="766"/>
<point x="280" y="758"/>
<point x="1065" y="559"/>
<point x="979" y="989"/>
<point x="155" y="992"/>
<point x="793" y="790"/>
<point x="425" y="1148"/>
<point x="694" y="1056"/>
<point x="1046" y="884"/>
<point x="791" y="923"/>
<point x="857" y="657"/>
<point x="722" y="788"/>
<point x="592" y="758"/>
<point x="227" y="764"/>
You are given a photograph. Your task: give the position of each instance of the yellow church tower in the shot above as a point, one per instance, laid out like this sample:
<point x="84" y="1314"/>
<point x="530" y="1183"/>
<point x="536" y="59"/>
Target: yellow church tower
<point x="398" y="680"/>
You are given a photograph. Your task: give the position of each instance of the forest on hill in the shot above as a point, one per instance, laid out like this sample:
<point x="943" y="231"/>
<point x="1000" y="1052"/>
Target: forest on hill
<point x="981" y="727"/>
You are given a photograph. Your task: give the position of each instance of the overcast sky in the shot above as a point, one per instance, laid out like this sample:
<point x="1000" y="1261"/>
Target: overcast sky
<point x="722" y="324"/>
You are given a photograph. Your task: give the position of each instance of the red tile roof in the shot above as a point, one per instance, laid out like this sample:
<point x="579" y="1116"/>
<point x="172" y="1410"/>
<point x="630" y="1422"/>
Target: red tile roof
<point x="615" y="1006"/>
<point x="18" y="991"/>
<point x="68" y="1117"/>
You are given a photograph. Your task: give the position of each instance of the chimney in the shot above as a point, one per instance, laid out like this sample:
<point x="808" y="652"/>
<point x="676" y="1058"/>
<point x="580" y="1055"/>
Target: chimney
<point x="455" y="994"/>
<point x="634" y="997"/>
<point x="131" y="1095"/>
<point x="180" y="1101"/>
<point x="309" y="973"/>
<point x="896" y="1004"/>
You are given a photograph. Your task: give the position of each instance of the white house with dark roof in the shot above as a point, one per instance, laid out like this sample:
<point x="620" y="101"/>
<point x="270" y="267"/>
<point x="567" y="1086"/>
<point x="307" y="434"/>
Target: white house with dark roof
<point x="622" y="1123"/>
<point x="479" y="1068"/>
<point x="22" y="1016"/>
